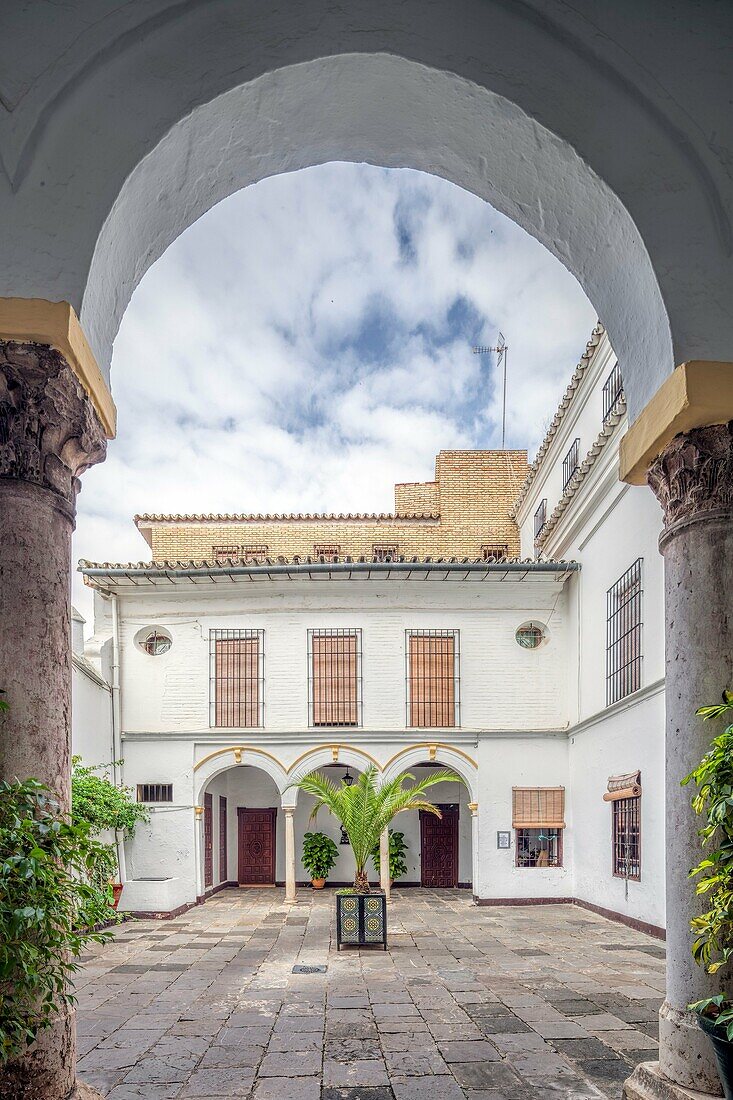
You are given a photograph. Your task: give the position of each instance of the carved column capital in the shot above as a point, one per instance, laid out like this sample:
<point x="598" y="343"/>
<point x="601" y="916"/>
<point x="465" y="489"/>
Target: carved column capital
<point x="693" y="476"/>
<point x="49" y="431"/>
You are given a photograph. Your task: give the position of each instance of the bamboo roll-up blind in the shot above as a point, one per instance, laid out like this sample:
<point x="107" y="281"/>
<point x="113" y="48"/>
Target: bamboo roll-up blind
<point x="538" y="807"/>
<point x="432" y="678"/>
<point x="335" y="678"/>
<point x="237" y="681"/>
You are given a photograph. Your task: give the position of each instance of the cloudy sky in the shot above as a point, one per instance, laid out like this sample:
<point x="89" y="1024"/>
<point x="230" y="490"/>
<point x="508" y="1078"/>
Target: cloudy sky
<point x="307" y="343"/>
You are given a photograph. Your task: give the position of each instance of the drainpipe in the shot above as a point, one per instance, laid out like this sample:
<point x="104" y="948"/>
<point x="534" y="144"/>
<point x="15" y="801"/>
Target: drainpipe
<point x="117" y="725"/>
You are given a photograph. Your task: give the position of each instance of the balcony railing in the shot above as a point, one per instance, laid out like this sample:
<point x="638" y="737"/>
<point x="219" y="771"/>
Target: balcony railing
<point x="570" y="463"/>
<point x="613" y="393"/>
<point x="540" y="518"/>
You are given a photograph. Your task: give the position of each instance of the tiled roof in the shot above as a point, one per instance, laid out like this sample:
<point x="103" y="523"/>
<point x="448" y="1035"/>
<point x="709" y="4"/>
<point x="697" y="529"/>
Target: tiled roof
<point x="562" y="408"/>
<point x="337" y="564"/>
<point x="293" y="517"/>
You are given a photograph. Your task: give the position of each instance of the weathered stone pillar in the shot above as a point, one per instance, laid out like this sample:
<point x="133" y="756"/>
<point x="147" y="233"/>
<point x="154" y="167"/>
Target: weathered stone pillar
<point x="49" y="434"/>
<point x="693" y="480"/>
<point x="384" y="862"/>
<point x="290" y="891"/>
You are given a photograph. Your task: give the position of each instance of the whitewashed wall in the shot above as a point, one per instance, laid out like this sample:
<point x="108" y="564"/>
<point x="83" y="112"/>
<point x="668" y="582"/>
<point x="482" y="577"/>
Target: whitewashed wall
<point x="91" y="717"/>
<point x="623" y="741"/>
<point x="170" y="693"/>
<point x="519" y="762"/>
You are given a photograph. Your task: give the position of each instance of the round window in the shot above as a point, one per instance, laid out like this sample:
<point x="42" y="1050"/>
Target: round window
<point x="154" y="641"/>
<point x="530" y="635"/>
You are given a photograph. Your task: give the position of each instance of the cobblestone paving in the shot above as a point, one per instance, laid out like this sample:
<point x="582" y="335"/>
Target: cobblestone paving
<point x="477" y="1003"/>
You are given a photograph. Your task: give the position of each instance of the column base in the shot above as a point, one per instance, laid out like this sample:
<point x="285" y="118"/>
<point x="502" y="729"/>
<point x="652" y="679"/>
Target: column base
<point x="647" y="1083"/>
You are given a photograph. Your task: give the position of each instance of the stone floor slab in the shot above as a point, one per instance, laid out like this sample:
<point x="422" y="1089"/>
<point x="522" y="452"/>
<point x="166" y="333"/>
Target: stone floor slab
<point x="467" y="1004"/>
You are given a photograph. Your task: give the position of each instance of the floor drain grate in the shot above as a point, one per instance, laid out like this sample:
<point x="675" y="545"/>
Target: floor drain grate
<point x="309" y="970"/>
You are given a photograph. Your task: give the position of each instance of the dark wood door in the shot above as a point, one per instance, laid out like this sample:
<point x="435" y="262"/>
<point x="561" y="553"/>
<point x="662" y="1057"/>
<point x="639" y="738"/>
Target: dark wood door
<point x="256" y="863"/>
<point x="439" y="848"/>
<point x="222" y="839"/>
<point x="208" y="840"/>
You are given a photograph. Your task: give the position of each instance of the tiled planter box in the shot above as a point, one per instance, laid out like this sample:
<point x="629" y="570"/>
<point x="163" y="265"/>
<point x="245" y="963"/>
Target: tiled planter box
<point x="361" y="919"/>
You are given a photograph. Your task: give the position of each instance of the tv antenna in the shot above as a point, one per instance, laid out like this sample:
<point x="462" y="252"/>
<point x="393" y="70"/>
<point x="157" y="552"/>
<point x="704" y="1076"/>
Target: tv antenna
<point x="500" y="350"/>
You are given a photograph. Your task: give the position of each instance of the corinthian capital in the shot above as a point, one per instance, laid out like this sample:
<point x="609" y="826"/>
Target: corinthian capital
<point x="49" y="431"/>
<point x="693" y="476"/>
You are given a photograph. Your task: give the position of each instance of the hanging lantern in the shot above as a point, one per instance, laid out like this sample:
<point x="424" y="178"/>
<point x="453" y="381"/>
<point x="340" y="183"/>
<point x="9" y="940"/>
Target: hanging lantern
<point x="344" y="836"/>
<point x="348" y="780"/>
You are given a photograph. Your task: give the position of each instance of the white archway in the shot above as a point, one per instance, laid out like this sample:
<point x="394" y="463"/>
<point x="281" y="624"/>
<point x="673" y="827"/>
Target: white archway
<point x="449" y="757"/>
<point x="221" y="760"/>
<point x="319" y="757"/>
<point x="613" y="169"/>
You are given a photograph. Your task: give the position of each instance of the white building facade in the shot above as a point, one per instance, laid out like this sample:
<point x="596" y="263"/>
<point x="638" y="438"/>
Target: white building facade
<point x="538" y="680"/>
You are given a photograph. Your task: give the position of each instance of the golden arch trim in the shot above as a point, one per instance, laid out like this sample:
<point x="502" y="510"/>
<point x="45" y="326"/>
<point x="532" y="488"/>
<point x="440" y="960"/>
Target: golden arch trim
<point x="238" y="750"/>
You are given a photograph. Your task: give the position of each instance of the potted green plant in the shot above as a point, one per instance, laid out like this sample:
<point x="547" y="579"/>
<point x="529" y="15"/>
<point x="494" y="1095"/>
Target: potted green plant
<point x="397" y="862"/>
<point x="712" y="947"/>
<point x="319" y="857"/>
<point x="104" y="805"/>
<point x="365" y="810"/>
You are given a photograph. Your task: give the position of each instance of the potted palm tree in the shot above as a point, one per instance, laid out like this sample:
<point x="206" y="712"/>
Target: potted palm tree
<point x="319" y="856"/>
<point x="713" y="944"/>
<point x="365" y="810"/>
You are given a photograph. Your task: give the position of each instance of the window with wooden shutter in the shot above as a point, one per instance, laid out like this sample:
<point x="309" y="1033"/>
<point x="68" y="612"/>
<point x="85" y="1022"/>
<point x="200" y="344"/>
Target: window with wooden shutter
<point x="432" y="678"/>
<point x="237" y="678"/>
<point x="537" y="807"/>
<point x="538" y="817"/>
<point x="334" y="680"/>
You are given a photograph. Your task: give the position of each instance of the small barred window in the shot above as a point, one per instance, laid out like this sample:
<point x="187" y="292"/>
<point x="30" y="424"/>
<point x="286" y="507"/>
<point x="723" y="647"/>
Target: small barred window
<point x="327" y="550"/>
<point x="224" y="553"/>
<point x="155" y="792"/>
<point x="495" y="551"/>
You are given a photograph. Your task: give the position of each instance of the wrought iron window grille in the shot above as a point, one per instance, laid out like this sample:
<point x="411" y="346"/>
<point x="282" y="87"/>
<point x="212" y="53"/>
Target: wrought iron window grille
<point x="624" y="634"/>
<point x="540" y="847"/>
<point x="613" y="393"/>
<point x="570" y="463"/>
<point x="155" y="792"/>
<point x="432" y="678"/>
<point x="335" y="677"/>
<point x="237" y="678"/>
<point x="495" y="551"/>
<point x="627" y="838"/>
<point x="224" y="553"/>
<point x="385" y="551"/>
<point x="328" y="550"/>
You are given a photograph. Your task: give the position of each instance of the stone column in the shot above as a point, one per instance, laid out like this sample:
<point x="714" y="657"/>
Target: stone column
<point x="384" y="862"/>
<point x="290" y="892"/>
<point x="49" y="434"/>
<point x="693" y="480"/>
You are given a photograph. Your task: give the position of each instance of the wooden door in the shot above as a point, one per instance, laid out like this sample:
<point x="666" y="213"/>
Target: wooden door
<point x="256" y="848"/>
<point x="208" y="840"/>
<point x="439" y="848"/>
<point x="222" y="839"/>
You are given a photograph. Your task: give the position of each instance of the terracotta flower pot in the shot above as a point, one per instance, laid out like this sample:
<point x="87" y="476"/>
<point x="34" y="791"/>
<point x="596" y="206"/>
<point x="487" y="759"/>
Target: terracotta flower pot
<point x="318" y="883"/>
<point x="116" y="894"/>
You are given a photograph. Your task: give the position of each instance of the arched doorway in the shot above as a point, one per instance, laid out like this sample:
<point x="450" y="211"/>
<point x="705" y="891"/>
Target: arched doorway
<point x="243" y="839"/>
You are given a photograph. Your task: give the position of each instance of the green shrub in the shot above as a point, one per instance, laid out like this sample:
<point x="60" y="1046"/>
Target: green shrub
<point x="319" y="854"/>
<point x="98" y="801"/>
<point x="397" y="862"/>
<point x="49" y="909"/>
<point x="712" y="947"/>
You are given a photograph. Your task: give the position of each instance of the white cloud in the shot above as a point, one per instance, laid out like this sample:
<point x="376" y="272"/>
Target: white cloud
<point x="307" y="343"/>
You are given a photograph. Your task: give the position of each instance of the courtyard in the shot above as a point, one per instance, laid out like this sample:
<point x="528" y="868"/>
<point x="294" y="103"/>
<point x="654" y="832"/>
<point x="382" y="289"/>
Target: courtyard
<point x="478" y="1002"/>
